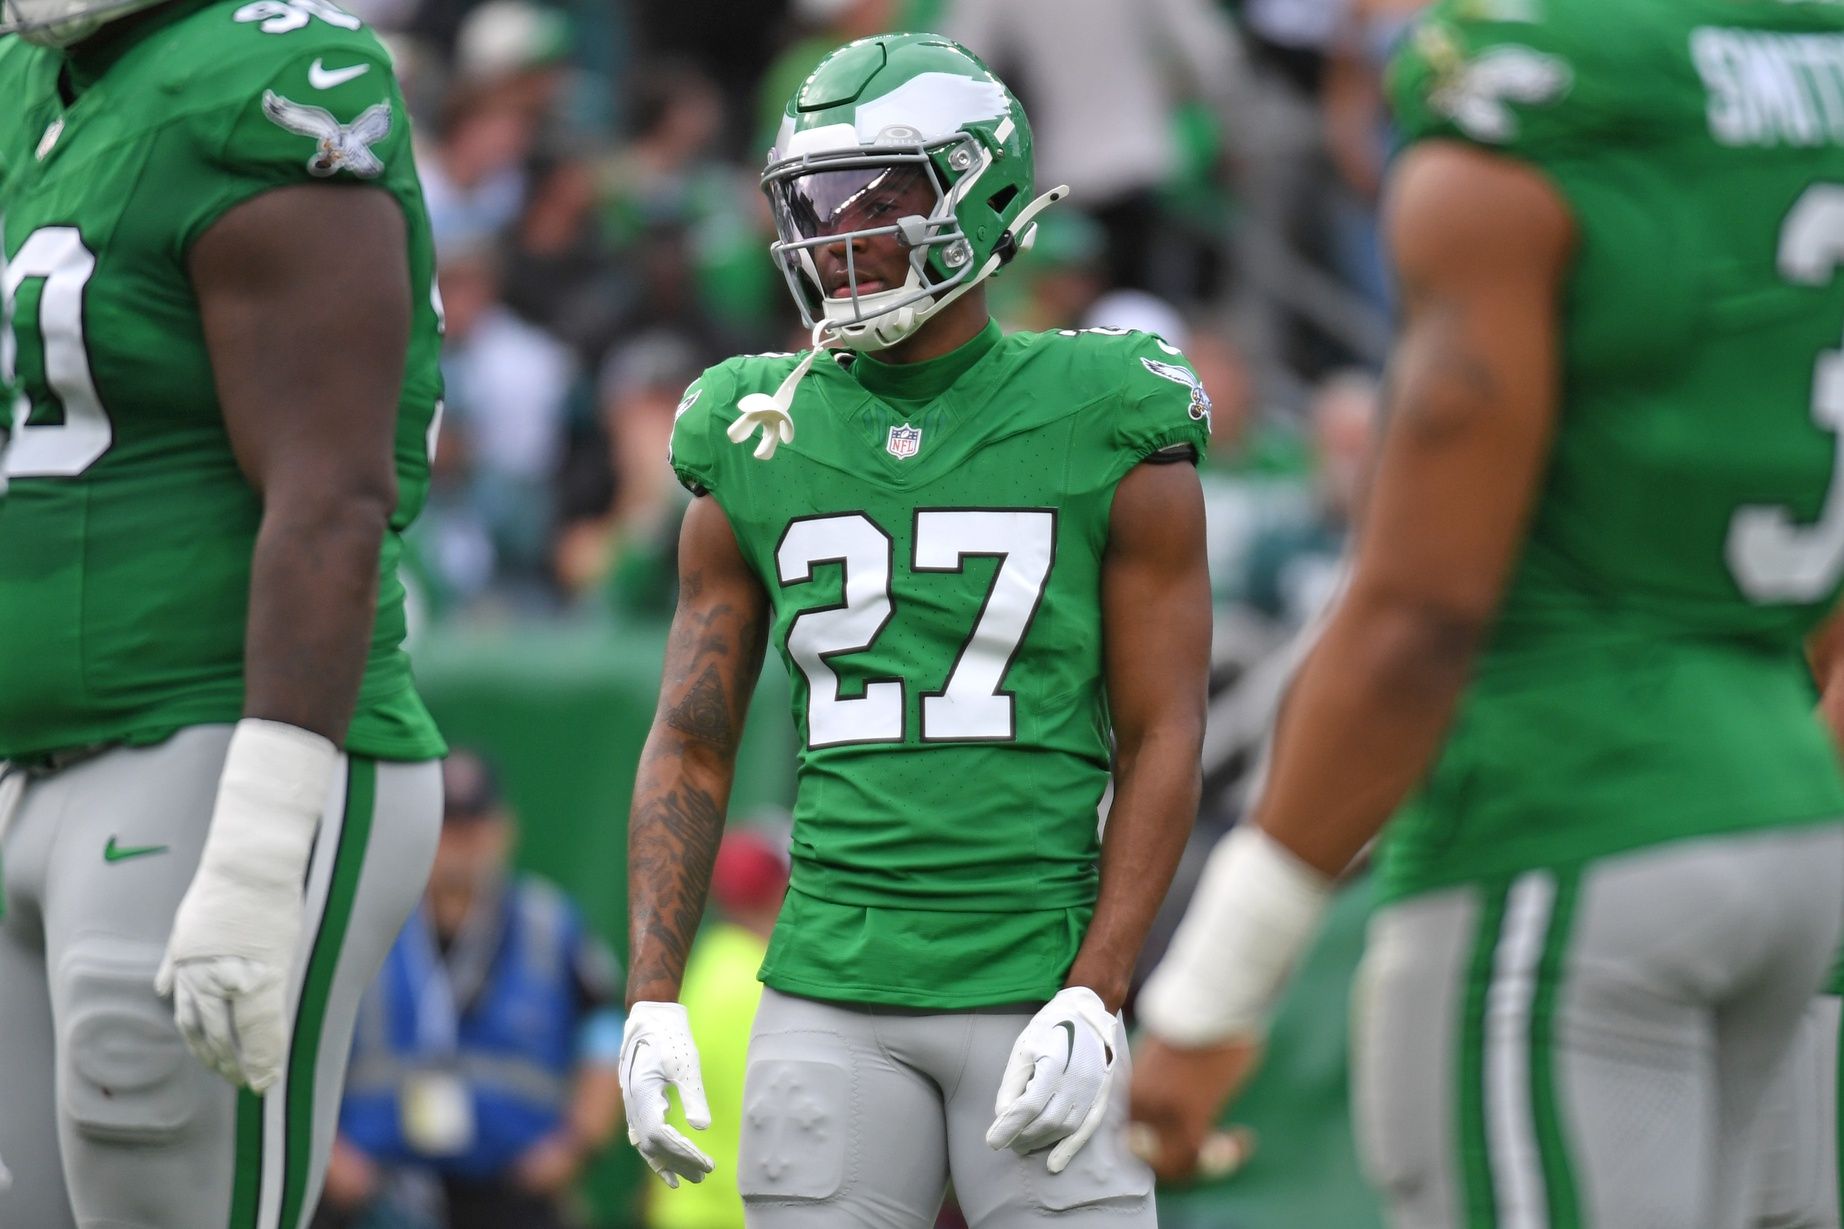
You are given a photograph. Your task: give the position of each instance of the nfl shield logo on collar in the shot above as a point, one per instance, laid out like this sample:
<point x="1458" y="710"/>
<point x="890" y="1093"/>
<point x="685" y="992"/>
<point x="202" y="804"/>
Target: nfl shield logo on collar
<point x="904" y="441"/>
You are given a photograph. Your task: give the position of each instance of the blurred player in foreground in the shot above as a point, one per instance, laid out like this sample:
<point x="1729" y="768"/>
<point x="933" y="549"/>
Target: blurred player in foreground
<point x="978" y="555"/>
<point x="1606" y="513"/>
<point x="220" y="355"/>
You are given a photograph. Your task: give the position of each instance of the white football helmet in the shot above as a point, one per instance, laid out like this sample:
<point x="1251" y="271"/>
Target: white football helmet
<point x="59" y="23"/>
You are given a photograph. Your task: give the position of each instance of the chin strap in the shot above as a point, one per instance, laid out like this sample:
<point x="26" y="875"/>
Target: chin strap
<point x="771" y="414"/>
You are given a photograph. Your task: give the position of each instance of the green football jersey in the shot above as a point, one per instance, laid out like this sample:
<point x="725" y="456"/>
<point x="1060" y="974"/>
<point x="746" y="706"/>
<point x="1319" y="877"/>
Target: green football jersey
<point x="127" y="528"/>
<point x="931" y="543"/>
<point x="1645" y="683"/>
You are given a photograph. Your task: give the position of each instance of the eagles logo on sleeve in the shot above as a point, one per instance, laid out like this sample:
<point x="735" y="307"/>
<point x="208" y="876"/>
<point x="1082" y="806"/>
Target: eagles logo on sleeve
<point x="341" y="147"/>
<point x="1178" y="374"/>
<point x="329" y="110"/>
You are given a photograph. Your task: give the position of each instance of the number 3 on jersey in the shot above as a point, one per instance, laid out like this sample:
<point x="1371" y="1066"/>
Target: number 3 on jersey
<point x="971" y="705"/>
<point x="55" y="256"/>
<point x="1772" y="556"/>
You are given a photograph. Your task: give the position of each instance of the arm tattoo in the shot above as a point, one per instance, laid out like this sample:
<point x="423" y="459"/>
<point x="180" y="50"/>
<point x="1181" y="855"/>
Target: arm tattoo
<point x="703" y="712"/>
<point x="683" y="787"/>
<point x="672" y="846"/>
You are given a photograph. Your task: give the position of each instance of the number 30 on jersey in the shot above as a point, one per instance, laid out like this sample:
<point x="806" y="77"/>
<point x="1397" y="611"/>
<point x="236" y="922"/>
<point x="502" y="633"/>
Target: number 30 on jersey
<point x="971" y="706"/>
<point x="56" y="256"/>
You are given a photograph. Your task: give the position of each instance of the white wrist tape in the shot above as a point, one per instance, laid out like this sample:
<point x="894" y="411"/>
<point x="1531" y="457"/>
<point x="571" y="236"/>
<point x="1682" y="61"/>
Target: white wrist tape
<point x="270" y="798"/>
<point x="1256" y="908"/>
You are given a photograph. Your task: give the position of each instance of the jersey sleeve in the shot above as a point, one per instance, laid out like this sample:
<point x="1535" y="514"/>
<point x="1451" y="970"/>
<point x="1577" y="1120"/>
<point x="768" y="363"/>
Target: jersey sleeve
<point x="1164" y="406"/>
<point x="1520" y="77"/>
<point x="697" y="432"/>
<point x="325" y="115"/>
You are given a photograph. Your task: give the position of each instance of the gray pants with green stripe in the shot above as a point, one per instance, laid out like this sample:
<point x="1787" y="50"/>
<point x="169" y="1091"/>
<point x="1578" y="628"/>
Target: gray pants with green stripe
<point x="1591" y="1047"/>
<point x="106" y="1122"/>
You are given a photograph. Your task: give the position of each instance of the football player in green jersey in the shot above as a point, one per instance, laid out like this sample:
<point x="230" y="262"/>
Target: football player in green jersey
<point x="220" y="795"/>
<point x="978" y="557"/>
<point x="1607" y="511"/>
<point x="1801" y="1182"/>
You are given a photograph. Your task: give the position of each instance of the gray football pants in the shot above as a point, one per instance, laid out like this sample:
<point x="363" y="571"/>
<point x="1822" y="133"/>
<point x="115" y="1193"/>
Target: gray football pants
<point x="1591" y="1047"/>
<point x="857" y="1117"/>
<point x="106" y="1121"/>
<point x="1798" y="1133"/>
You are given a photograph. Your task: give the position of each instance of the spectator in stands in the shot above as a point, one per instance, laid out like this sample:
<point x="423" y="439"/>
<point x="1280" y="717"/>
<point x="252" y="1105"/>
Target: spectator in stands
<point x="1293" y="569"/>
<point x="668" y="175"/>
<point x="1358" y="134"/>
<point x="485" y="1054"/>
<point x="720" y="993"/>
<point x="627" y="551"/>
<point x="1114" y="146"/>
<point x="473" y="175"/>
<point x="508" y="388"/>
<point x="517" y="47"/>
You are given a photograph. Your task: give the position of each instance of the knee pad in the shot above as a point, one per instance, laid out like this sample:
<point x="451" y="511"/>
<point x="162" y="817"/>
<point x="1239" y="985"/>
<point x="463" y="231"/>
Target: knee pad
<point x="125" y="1073"/>
<point x="797" y="1125"/>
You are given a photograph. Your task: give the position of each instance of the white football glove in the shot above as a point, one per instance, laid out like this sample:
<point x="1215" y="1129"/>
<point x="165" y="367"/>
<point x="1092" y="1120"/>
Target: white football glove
<point x="235" y="936"/>
<point x="656" y="1051"/>
<point x="1055" y="1089"/>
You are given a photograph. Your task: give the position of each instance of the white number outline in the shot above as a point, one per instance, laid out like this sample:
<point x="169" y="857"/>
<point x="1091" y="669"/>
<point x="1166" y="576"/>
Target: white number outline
<point x="57" y="256"/>
<point x="881" y="714"/>
<point x="825" y="706"/>
<point x="1012" y="561"/>
<point x="1773" y="557"/>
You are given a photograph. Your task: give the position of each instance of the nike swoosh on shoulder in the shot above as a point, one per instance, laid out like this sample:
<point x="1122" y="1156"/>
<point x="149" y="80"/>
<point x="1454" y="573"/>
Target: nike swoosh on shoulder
<point x="323" y="78"/>
<point x="1071" y="1028"/>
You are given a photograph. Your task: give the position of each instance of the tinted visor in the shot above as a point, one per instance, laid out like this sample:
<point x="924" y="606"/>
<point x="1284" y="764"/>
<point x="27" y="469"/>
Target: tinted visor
<point x="823" y="203"/>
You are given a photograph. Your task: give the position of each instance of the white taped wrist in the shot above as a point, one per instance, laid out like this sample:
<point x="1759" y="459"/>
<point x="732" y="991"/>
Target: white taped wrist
<point x="275" y="784"/>
<point x="1256" y="908"/>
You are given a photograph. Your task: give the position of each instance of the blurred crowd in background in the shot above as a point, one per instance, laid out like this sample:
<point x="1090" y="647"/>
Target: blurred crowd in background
<point x="591" y="166"/>
<point x="591" y="170"/>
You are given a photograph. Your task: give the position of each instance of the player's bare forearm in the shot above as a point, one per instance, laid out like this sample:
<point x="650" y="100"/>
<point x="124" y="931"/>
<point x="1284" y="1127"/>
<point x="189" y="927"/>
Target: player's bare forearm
<point x="1156" y="628"/>
<point x="1481" y="246"/>
<point x="304" y="293"/>
<point x="712" y="659"/>
<point x="1155" y="802"/>
<point x="313" y="600"/>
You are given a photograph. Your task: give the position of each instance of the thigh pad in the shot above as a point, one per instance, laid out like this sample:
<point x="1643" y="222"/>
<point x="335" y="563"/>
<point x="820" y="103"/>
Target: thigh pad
<point x="124" y="1071"/>
<point x="797" y="1124"/>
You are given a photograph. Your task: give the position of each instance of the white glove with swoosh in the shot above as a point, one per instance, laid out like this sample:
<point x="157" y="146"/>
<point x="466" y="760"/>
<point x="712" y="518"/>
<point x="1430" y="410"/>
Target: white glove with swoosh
<point x="1055" y="1089"/>
<point x="657" y="1051"/>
